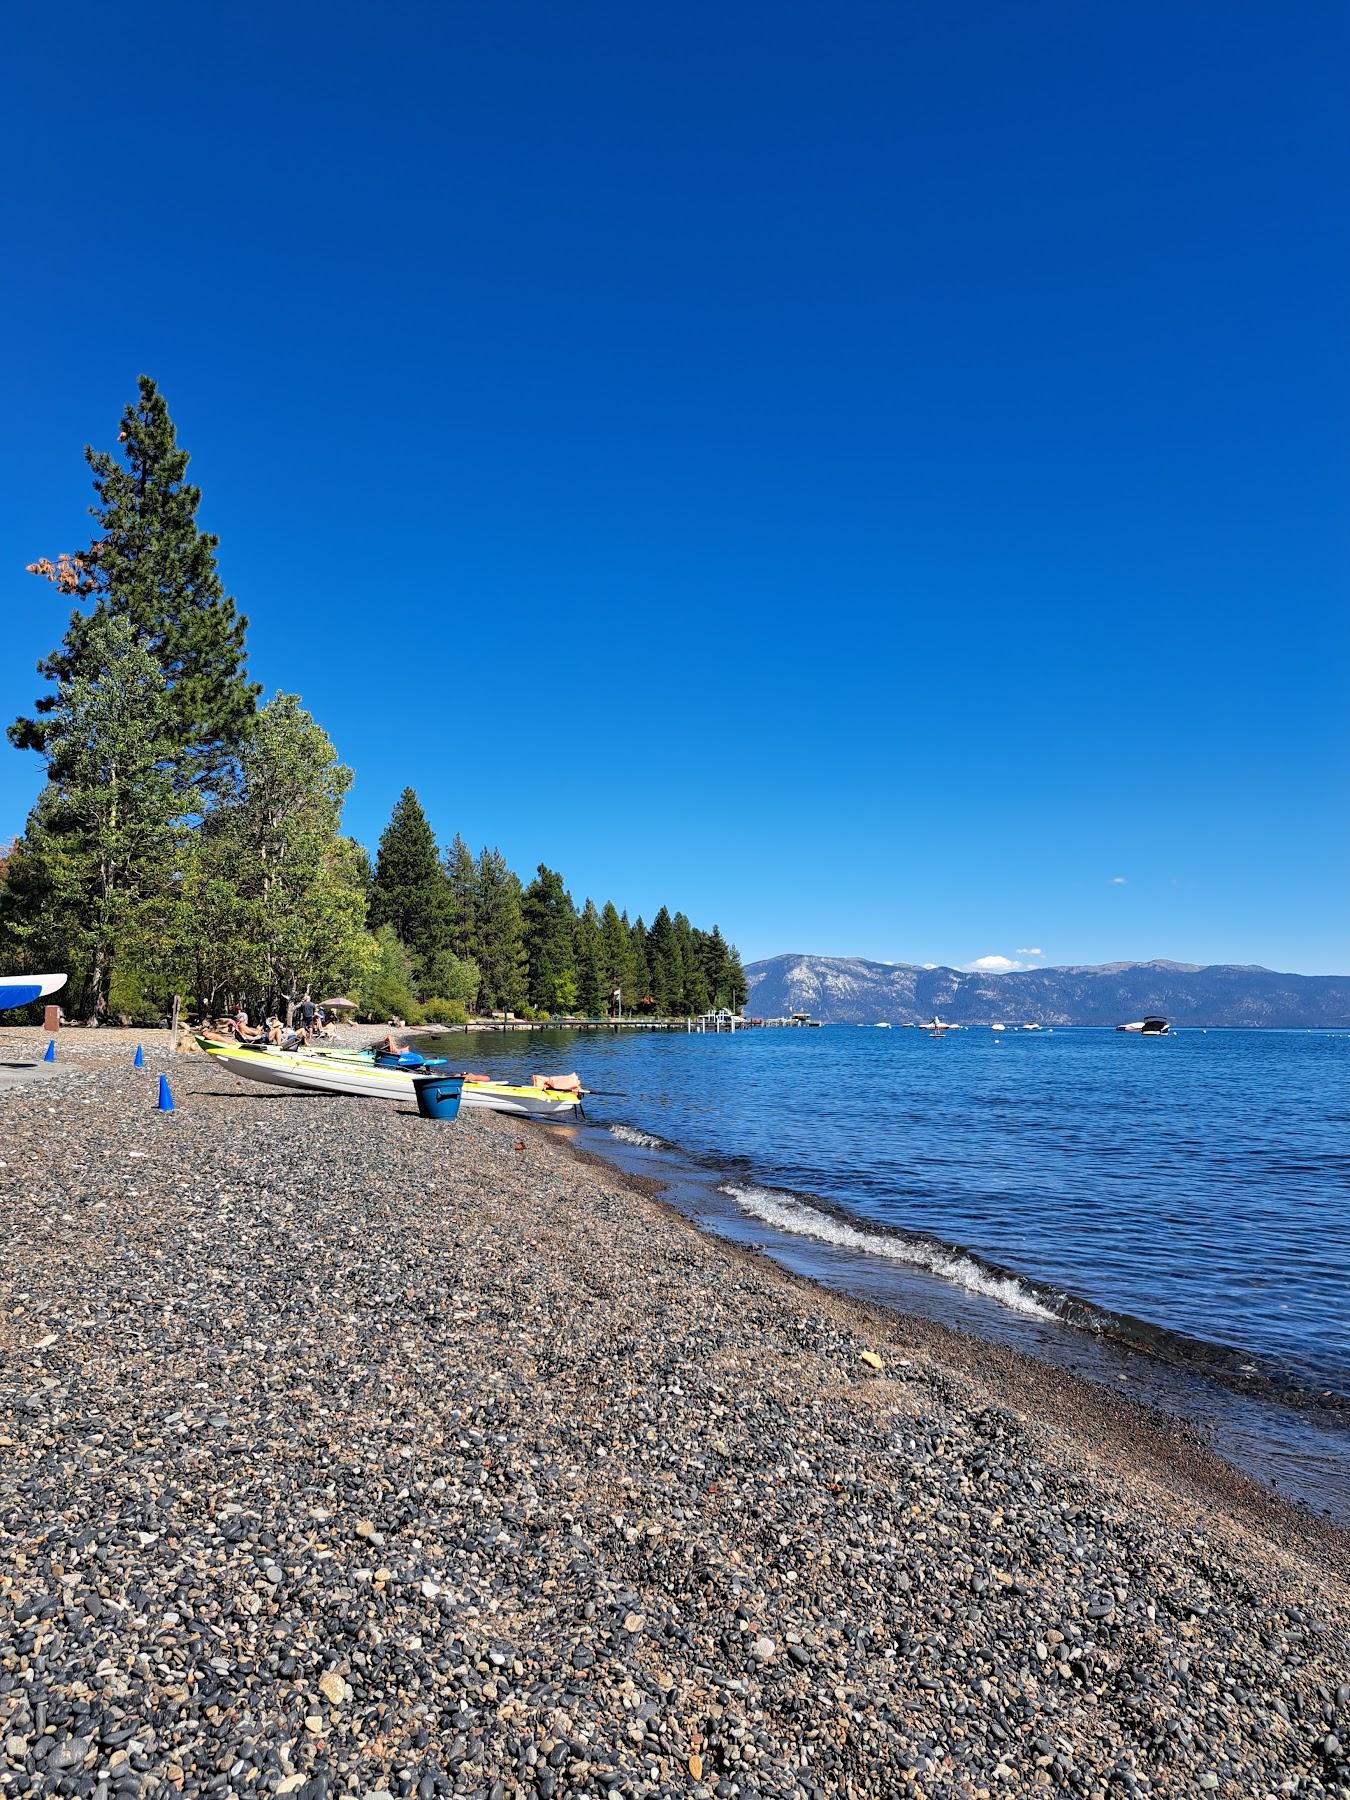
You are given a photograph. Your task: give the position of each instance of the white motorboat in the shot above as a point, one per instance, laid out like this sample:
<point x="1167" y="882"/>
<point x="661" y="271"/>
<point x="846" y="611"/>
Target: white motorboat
<point x="1150" y="1027"/>
<point x="998" y="1028"/>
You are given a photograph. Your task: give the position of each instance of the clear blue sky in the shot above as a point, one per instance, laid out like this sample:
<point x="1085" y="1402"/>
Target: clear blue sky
<point x="869" y="475"/>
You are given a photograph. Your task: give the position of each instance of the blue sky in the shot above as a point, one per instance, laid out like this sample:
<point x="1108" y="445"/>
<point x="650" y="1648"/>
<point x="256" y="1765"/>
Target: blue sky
<point x="873" y="476"/>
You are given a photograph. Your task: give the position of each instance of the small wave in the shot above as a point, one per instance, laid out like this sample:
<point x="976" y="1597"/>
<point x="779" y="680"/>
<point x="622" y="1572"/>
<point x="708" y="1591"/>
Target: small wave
<point x="629" y="1134"/>
<point x="786" y="1213"/>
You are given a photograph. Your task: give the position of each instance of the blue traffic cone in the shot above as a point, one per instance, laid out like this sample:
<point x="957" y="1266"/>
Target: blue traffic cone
<point x="165" y="1097"/>
<point x="49" y="1054"/>
<point x="138" y="1061"/>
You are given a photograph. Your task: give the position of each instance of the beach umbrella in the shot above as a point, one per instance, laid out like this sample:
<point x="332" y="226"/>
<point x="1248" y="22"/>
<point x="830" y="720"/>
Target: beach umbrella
<point x="340" y="1004"/>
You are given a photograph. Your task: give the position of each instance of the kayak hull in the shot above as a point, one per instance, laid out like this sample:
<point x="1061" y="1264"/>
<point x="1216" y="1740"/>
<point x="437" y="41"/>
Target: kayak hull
<point x="323" y="1072"/>
<point x="285" y="1069"/>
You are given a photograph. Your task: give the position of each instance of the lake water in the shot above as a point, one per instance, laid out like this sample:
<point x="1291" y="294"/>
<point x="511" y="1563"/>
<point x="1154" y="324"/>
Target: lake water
<point x="1171" y="1215"/>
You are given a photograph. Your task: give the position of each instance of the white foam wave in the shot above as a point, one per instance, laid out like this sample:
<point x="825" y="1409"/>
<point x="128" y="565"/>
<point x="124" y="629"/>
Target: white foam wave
<point x="786" y="1213"/>
<point x="629" y="1134"/>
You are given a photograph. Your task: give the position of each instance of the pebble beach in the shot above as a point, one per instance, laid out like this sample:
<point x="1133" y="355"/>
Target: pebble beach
<point x="348" y="1453"/>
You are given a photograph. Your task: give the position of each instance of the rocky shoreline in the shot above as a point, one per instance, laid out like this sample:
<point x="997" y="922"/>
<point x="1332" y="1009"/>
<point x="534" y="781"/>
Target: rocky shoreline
<point x="346" y="1453"/>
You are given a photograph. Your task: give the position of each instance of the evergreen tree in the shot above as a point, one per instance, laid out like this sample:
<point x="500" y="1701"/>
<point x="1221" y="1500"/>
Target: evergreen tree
<point x="737" y="986"/>
<point x="716" y="962"/>
<point x="411" y="890"/>
<point x="617" y="958"/>
<point x="151" y="566"/>
<point x="550" y="942"/>
<point x="642" y="975"/>
<point x="665" y="964"/>
<point x="462" y="873"/>
<point x="100" y="839"/>
<point x="593" y="988"/>
<point x="499" y="935"/>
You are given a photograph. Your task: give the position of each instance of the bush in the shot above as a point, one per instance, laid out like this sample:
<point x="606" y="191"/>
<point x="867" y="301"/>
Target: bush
<point x="438" y="1011"/>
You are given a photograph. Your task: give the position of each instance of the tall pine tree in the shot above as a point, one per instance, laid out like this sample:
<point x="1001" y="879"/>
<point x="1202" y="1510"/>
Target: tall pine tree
<point x="149" y="564"/>
<point x="462" y="873"/>
<point x="550" y="942"/>
<point x="592" y="989"/>
<point x="411" y="890"/>
<point x="500" y="935"/>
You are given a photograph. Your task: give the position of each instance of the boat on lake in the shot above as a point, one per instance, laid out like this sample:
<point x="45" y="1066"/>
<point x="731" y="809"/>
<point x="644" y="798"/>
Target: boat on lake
<point x="1150" y="1027"/>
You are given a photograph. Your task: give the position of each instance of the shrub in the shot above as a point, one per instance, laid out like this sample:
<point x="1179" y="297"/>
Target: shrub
<point x="439" y="1011"/>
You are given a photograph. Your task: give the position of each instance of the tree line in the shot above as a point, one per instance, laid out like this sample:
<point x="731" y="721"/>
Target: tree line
<point x="188" y="839"/>
<point x="464" y="929"/>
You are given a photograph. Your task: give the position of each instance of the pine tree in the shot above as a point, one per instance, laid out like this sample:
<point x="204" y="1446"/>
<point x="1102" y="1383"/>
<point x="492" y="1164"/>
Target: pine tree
<point x="617" y="958"/>
<point x="550" y="942"/>
<point x="593" y="990"/>
<point x="737" y="986"/>
<point x="99" y="841"/>
<point x="500" y="934"/>
<point x="642" y="975"/>
<point x="411" y="890"/>
<point x="666" y="965"/>
<point x="462" y="873"/>
<point x="716" y="961"/>
<point x="151" y="566"/>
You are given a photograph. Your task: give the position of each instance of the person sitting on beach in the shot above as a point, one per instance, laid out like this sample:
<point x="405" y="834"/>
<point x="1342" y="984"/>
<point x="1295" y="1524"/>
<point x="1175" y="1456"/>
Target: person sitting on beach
<point x="284" y="1037"/>
<point x="244" y="1031"/>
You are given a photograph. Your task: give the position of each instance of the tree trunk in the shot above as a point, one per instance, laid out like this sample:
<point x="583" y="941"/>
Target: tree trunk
<point x="173" y="1024"/>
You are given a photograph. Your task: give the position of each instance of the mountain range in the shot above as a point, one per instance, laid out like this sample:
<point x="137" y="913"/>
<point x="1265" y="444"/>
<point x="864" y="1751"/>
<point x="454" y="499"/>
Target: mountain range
<point x="847" y="990"/>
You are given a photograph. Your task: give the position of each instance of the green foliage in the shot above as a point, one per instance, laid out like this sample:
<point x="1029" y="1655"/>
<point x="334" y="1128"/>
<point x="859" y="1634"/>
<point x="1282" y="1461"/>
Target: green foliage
<point x="616" y="959"/>
<point x="440" y="1011"/>
<point x="150" y="566"/>
<point x="550" y="948"/>
<point x="499" y="936"/>
<point x="592" y="995"/>
<point x="411" y="891"/>
<point x="98" y="843"/>
<point x="462" y="873"/>
<point x="387" y="991"/>
<point x="452" y="977"/>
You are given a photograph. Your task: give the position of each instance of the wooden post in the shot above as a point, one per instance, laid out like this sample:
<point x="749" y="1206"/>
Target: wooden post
<point x="173" y="1024"/>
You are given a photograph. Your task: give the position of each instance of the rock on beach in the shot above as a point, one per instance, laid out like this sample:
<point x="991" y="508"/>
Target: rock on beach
<point x="345" y="1453"/>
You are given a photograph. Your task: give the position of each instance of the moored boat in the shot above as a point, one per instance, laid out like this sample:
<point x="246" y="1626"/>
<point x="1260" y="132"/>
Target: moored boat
<point x="1150" y="1027"/>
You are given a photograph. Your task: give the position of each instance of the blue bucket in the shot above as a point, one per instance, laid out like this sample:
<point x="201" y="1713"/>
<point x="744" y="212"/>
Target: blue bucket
<point x="438" y="1095"/>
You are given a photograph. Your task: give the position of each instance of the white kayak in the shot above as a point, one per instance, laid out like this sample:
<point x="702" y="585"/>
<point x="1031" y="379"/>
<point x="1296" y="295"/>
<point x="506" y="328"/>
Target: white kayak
<point x="348" y="1072"/>
<point x="22" y="990"/>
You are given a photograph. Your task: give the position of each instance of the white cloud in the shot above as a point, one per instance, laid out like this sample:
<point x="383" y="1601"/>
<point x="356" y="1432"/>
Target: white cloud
<point x="991" y="965"/>
<point x="1023" y="951"/>
<point x="1119" y="880"/>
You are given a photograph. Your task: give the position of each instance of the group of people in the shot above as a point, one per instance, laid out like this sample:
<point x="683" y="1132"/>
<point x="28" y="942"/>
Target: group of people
<point x="311" y="1022"/>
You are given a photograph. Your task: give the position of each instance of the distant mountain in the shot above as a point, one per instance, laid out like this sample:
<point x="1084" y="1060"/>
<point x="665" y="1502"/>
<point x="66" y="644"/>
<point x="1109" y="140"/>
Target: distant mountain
<point x="845" y="990"/>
